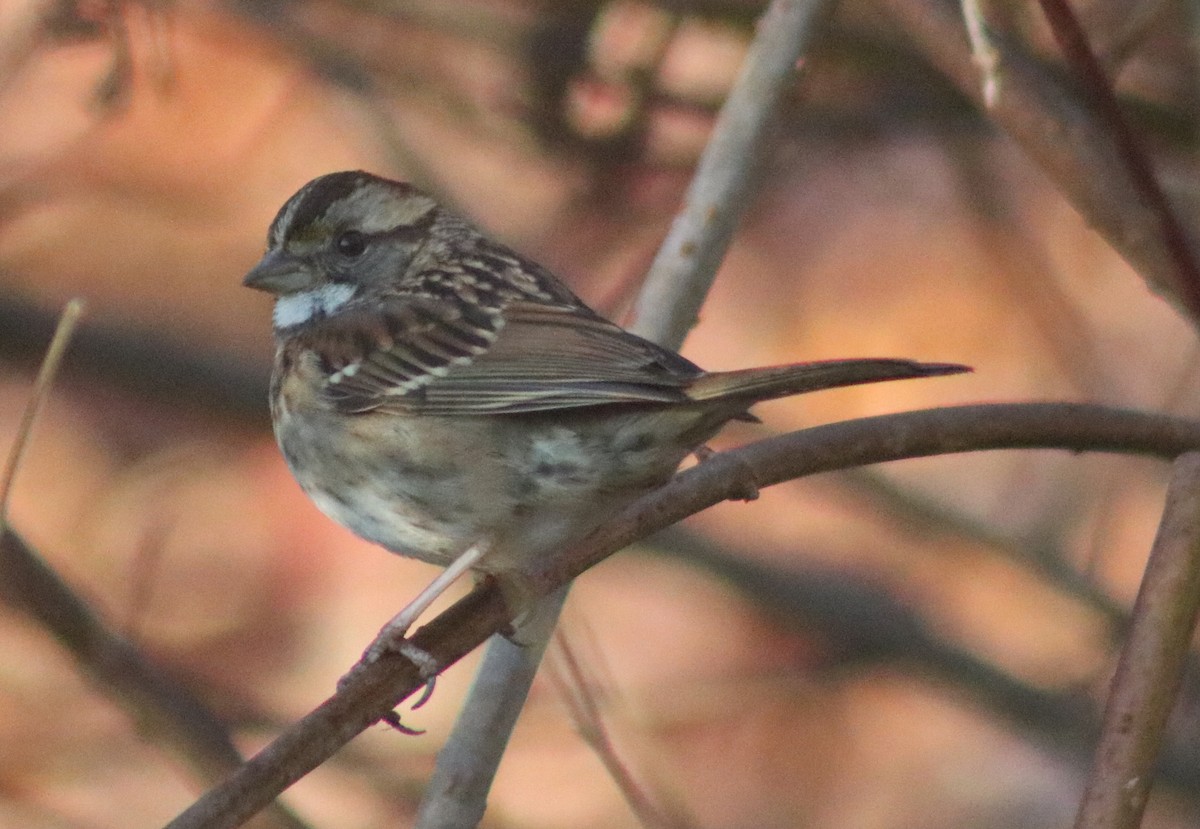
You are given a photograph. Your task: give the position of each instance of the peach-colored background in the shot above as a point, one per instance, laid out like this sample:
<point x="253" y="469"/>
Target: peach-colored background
<point x="189" y="533"/>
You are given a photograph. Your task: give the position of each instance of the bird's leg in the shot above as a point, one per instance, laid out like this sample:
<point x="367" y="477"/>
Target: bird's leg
<point x="391" y="636"/>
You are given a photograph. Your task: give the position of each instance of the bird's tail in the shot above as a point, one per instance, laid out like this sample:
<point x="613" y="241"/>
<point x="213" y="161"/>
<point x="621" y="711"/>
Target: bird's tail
<point x="754" y="384"/>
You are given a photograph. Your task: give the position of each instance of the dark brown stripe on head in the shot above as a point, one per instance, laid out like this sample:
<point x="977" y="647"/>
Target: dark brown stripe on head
<point x="312" y="201"/>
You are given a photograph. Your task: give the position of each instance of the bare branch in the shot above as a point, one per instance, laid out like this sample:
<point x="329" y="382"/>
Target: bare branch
<point x="37" y="398"/>
<point x="1151" y="667"/>
<point x="570" y="677"/>
<point x="1074" y="44"/>
<point x="687" y="262"/>
<point x="1064" y="134"/>
<point x="372" y="691"/>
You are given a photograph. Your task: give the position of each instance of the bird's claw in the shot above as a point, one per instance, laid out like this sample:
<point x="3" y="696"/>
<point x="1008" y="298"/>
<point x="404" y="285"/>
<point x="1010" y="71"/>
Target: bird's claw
<point x="393" y="641"/>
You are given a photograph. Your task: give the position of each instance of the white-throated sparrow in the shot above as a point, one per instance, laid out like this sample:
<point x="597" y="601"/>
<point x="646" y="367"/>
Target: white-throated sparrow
<point x="448" y="399"/>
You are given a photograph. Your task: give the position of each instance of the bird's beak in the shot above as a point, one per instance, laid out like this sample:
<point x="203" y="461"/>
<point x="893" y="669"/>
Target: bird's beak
<point x="278" y="273"/>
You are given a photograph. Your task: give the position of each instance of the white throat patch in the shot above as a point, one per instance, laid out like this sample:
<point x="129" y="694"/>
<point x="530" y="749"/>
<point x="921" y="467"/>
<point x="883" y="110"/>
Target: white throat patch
<point x="295" y="309"/>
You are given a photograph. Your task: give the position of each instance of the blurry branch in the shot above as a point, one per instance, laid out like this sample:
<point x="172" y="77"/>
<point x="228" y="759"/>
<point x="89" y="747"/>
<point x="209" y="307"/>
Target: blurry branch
<point x="1098" y="92"/>
<point x="583" y="703"/>
<point x="686" y="264"/>
<point x="143" y="363"/>
<point x="37" y="398"/>
<point x="1117" y="27"/>
<point x="999" y="228"/>
<point x="166" y="712"/>
<point x="864" y="626"/>
<point x="1072" y="138"/>
<point x="1151" y="667"/>
<point x="1042" y="557"/>
<point x="162" y="708"/>
<point x="984" y="49"/>
<point x="666" y="309"/>
<point x="370" y="692"/>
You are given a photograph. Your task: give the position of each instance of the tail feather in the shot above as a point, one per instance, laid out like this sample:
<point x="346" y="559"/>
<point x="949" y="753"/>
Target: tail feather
<point x="754" y="384"/>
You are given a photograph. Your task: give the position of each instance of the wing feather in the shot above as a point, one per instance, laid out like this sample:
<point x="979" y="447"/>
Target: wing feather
<point x="430" y="356"/>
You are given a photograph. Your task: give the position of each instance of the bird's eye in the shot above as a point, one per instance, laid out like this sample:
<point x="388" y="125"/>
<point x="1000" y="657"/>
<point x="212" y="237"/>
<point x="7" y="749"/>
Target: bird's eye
<point x="350" y="243"/>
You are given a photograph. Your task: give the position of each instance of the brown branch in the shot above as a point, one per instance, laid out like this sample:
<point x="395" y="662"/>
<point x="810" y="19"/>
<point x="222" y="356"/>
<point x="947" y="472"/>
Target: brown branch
<point x="166" y="712"/>
<point x="372" y="691"/>
<point x="1045" y="115"/>
<point x="1073" y="41"/>
<point x="161" y="706"/>
<point x="117" y="354"/>
<point x="1151" y="667"/>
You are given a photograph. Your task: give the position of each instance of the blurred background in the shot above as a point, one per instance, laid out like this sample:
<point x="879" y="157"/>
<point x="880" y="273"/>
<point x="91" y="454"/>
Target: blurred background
<point x="921" y="645"/>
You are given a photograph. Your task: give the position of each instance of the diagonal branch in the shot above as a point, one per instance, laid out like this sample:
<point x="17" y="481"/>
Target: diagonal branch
<point x="164" y="709"/>
<point x="1074" y="44"/>
<point x="372" y="691"/>
<point x="1044" y="113"/>
<point x="686" y="264"/>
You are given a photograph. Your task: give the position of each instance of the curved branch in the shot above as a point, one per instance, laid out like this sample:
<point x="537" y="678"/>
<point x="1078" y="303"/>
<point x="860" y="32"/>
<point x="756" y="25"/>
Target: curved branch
<point x="372" y="691"/>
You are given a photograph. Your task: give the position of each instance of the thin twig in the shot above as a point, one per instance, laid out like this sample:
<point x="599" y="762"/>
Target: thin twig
<point x="571" y="680"/>
<point x="983" y="48"/>
<point x="37" y="399"/>
<point x="372" y="691"/>
<point x="1045" y="115"/>
<point x="163" y="708"/>
<point x="1044" y="558"/>
<point x="1150" y="670"/>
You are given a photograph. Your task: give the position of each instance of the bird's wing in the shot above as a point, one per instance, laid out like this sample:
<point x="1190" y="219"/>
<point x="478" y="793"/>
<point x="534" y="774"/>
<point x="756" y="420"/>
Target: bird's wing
<point x="430" y="356"/>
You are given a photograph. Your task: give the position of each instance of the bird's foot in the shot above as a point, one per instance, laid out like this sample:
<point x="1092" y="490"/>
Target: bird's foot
<point x="391" y="640"/>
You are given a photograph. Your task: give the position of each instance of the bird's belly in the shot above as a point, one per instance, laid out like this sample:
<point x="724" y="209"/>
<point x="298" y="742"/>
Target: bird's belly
<point x="400" y="483"/>
<point x="430" y="487"/>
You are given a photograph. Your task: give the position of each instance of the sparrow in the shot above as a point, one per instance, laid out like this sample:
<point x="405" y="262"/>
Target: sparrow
<point x="451" y="400"/>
